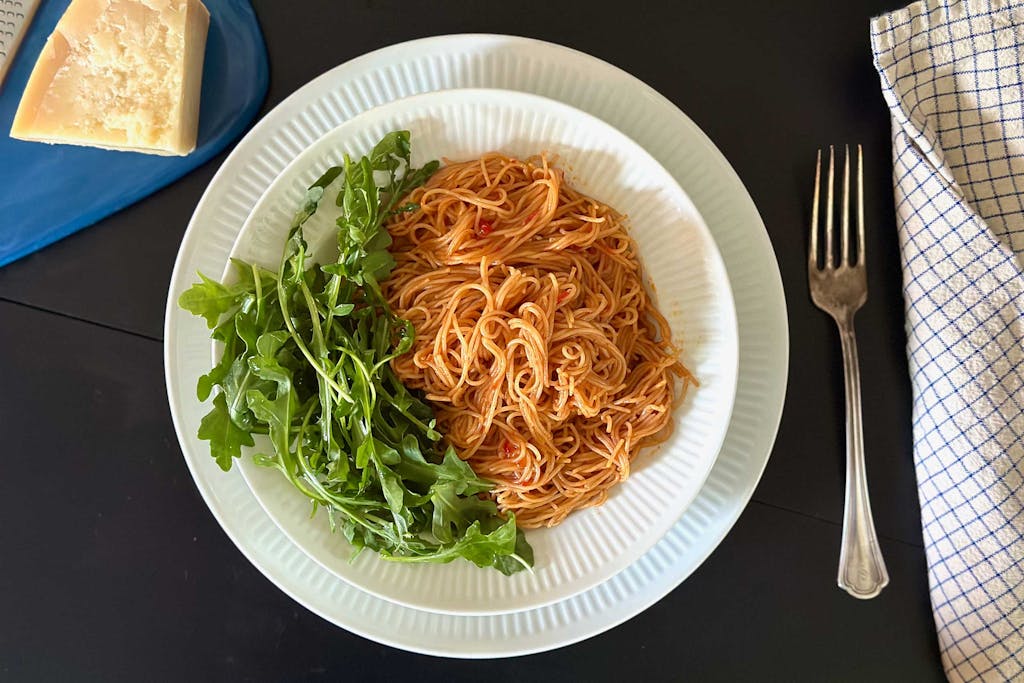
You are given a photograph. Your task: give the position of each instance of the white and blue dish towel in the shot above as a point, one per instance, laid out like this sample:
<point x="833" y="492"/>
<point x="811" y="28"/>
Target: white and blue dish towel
<point x="953" y="76"/>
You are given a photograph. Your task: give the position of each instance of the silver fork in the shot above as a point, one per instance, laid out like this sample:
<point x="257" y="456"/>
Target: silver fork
<point x="840" y="290"/>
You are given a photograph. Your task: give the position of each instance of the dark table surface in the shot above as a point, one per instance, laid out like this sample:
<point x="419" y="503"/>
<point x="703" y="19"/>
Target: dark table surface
<point x="112" y="568"/>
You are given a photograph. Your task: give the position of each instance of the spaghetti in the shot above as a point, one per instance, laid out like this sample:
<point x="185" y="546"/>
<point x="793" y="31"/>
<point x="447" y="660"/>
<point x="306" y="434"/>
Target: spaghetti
<point x="548" y="366"/>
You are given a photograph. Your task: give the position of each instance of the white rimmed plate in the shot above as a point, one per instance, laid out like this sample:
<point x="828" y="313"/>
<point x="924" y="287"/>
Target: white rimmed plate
<point x="654" y="122"/>
<point x="680" y="259"/>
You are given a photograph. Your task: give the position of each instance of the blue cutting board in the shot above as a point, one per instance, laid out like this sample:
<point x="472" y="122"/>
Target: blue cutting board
<point x="50" y="191"/>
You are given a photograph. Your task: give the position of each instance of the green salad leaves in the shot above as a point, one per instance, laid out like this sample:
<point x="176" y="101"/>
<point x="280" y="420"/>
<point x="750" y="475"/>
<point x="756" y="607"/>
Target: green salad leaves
<point x="306" y="367"/>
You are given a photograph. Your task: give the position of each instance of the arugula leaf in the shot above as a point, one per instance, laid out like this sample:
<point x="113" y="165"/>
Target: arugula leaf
<point x="391" y="151"/>
<point x="225" y="437"/>
<point x="481" y="549"/>
<point x="209" y="299"/>
<point x="378" y="264"/>
<point x="227" y="334"/>
<point x="453" y="512"/>
<point x="306" y="360"/>
<point x="521" y="558"/>
<point x="452" y="470"/>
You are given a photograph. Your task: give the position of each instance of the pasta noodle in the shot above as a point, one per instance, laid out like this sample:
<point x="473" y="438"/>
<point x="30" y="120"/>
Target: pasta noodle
<point x="547" y="364"/>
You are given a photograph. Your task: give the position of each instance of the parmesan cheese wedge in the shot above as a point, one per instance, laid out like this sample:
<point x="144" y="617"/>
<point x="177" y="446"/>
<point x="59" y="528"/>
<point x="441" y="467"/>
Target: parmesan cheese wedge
<point x="119" y="74"/>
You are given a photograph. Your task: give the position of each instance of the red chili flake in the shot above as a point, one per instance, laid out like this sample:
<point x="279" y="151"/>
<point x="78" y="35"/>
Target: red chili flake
<point x="563" y="295"/>
<point x="508" y="449"/>
<point x="530" y="218"/>
<point x="484" y="228"/>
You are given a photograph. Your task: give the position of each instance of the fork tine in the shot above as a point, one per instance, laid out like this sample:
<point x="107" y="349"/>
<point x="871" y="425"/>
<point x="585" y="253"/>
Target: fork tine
<point x="828" y="207"/>
<point x="860" y="206"/>
<point x="812" y="254"/>
<point x="845" y="235"/>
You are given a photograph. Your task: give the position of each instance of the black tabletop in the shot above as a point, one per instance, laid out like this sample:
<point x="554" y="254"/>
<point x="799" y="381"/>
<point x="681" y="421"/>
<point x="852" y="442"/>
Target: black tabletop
<point x="112" y="568"/>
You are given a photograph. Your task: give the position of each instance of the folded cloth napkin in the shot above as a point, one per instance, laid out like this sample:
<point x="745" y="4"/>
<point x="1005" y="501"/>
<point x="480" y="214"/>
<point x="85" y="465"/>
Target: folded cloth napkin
<point x="951" y="73"/>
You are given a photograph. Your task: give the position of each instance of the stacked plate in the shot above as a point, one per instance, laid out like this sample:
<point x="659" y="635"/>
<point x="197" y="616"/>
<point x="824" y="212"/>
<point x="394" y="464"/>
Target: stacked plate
<point x="703" y="247"/>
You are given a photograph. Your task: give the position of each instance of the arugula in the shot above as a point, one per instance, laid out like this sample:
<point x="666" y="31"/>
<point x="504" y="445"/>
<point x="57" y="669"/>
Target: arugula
<point x="306" y="362"/>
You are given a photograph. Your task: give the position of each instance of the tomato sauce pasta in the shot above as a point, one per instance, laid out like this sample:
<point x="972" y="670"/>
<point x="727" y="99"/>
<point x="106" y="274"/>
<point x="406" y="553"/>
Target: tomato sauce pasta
<point x="543" y="355"/>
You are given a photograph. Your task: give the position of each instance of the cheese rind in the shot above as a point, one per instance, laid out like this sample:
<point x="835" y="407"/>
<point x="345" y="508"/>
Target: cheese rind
<point x="119" y="74"/>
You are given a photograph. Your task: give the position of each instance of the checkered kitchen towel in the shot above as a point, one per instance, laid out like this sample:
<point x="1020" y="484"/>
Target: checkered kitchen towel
<point x="952" y="75"/>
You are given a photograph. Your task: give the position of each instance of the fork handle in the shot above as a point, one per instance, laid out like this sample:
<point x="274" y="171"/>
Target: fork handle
<point x="862" y="571"/>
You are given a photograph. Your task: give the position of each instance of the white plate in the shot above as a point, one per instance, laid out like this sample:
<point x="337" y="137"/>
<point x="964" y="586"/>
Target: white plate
<point x="681" y="262"/>
<point x="656" y="124"/>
